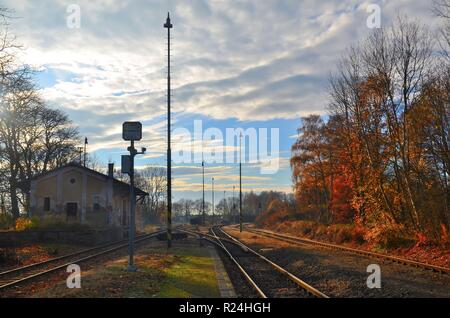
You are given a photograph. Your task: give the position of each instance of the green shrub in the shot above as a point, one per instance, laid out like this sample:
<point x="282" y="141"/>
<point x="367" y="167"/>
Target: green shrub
<point x="59" y="222"/>
<point x="149" y="228"/>
<point x="6" y="221"/>
<point x="50" y="222"/>
<point x="306" y="230"/>
<point x="343" y="234"/>
<point x="395" y="240"/>
<point x="320" y="230"/>
<point x="358" y="235"/>
<point x="24" y="223"/>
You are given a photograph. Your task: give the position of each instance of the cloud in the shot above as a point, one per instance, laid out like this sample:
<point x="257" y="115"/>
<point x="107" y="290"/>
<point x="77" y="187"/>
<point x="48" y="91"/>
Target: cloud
<point x="243" y="60"/>
<point x="231" y="59"/>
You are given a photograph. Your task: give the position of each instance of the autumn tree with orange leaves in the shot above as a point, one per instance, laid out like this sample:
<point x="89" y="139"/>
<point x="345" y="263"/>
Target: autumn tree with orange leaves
<point x="381" y="157"/>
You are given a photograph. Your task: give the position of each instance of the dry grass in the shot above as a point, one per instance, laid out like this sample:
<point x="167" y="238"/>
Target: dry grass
<point x="251" y="238"/>
<point x="351" y="236"/>
<point x="185" y="271"/>
<point x="21" y="256"/>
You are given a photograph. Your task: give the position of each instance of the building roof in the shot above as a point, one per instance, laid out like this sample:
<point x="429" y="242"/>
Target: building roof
<point x="117" y="182"/>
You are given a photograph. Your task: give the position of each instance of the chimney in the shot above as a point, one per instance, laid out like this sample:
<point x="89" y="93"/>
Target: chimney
<point x="111" y="170"/>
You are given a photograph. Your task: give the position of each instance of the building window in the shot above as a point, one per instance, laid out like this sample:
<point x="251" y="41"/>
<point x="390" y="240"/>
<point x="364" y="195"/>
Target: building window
<point x="73" y="180"/>
<point x="96" y="203"/>
<point x="46" y="204"/>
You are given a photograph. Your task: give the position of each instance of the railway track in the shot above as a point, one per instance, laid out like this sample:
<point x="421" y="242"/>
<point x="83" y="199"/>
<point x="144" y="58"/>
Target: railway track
<point x="267" y="279"/>
<point x="303" y="241"/>
<point x="27" y="273"/>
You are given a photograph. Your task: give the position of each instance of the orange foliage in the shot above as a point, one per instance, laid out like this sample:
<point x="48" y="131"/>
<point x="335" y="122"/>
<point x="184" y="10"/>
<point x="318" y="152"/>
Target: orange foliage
<point x="24" y="224"/>
<point x="277" y="211"/>
<point x="341" y="203"/>
<point x="376" y="161"/>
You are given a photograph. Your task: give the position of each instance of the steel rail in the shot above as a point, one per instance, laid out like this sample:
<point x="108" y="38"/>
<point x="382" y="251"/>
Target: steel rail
<point x="304" y="241"/>
<point x="52" y="260"/>
<point x="216" y="241"/>
<point x="200" y="234"/>
<point x="58" y="267"/>
<point x="280" y="269"/>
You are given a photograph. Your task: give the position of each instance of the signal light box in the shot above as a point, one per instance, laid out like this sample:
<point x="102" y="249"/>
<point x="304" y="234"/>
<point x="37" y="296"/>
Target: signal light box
<point x="126" y="164"/>
<point x="132" y="131"/>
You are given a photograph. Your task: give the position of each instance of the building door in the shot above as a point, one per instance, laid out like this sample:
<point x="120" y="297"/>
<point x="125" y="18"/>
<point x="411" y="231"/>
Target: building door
<point x="72" y="210"/>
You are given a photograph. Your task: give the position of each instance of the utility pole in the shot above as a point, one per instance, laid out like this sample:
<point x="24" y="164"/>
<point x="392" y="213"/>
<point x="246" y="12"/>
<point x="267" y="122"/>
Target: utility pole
<point x="212" y="192"/>
<point x="85" y="145"/>
<point x="203" y="200"/>
<point x="132" y="233"/>
<point x="233" y="206"/>
<point x="131" y="266"/>
<point x="225" y="205"/>
<point x="169" y="26"/>
<point x="131" y="131"/>
<point x="240" y="182"/>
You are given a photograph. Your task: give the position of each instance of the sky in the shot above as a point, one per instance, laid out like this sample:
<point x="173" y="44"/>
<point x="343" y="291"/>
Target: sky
<point x="235" y="64"/>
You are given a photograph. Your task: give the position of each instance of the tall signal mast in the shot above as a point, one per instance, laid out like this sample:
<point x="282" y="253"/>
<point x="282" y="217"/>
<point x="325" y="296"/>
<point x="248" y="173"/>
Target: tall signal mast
<point x="169" y="26"/>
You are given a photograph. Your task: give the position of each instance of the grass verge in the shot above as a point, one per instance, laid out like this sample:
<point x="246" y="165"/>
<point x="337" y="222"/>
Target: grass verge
<point x="186" y="271"/>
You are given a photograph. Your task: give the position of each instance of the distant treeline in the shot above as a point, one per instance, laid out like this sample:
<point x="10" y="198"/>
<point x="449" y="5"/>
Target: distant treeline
<point x="253" y="205"/>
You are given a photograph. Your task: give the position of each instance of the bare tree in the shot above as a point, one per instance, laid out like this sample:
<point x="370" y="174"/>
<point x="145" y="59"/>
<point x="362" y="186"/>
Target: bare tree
<point x="19" y="105"/>
<point x="153" y="181"/>
<point x="92" y="162"/>
<point x="8" y="45"/>
<point x="59" y="138"/>
<point x="441" y="8"/>
<point x="33" y="137"/>
<point x="392" y="104"/>
<point x="183" y="209"/>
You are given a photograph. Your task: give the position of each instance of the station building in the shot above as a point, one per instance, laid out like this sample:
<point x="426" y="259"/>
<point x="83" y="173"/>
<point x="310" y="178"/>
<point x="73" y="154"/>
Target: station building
<point x="78" y="194"/>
